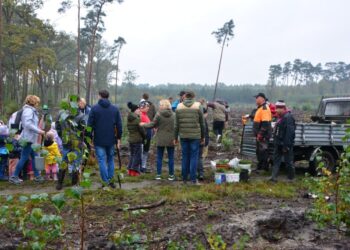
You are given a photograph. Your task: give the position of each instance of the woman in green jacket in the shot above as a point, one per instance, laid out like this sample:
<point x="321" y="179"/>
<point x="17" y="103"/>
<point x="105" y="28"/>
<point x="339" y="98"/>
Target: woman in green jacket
<point x="164" y="122"/>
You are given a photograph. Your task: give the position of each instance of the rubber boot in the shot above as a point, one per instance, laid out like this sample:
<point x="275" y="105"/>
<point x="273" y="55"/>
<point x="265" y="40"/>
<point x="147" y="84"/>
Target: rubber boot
<point x="75" y="177"/>
<point x="60" y="175"/>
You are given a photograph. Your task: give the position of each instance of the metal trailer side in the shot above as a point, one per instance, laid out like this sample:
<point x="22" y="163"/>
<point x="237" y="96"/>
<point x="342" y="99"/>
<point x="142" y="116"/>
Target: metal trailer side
<point x="310" y="138"/>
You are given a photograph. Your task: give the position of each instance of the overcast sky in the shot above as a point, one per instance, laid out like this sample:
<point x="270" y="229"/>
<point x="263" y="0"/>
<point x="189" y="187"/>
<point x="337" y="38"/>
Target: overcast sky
<point x="170" y="41"/>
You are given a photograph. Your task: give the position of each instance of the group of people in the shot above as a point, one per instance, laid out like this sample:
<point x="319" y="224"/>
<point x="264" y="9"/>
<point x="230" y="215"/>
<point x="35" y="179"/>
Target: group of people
<point x="182" y="121"/>
<point x="277" y="121"/>
<point x="36" y="131"/>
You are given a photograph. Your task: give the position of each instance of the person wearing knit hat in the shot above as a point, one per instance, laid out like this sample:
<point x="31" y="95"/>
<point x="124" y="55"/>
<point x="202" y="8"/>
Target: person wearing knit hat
<point x="136" y="137"/>
<point x="280" y="104"/>
<point x="283" y="134"/>
<point x="132" y="107"/>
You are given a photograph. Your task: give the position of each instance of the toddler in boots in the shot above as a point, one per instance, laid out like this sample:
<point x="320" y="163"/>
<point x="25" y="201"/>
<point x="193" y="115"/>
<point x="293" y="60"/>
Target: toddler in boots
<point x="53" y="156"/>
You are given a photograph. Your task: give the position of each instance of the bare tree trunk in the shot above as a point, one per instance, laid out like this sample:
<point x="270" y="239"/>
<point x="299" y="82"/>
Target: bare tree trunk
<point x="91" y="54"/>
<point x="116" y="77"/>
<point x="25" y="86"/>
<point x="1" y="59"/>
<point x="78" y="48"/>
<point x="56" y="86"/>
<point x="217" y="76"/>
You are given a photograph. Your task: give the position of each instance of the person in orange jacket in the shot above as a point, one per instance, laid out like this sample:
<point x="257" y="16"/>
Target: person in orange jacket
<point x="262" y="130"/>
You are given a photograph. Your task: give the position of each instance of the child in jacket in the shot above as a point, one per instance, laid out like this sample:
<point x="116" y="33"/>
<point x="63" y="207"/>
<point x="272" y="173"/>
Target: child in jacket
<point x="136" y="137"/>
<point x="53" y="156"/>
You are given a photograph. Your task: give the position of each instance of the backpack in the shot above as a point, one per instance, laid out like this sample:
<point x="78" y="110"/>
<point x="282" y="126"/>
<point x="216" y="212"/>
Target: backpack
<point x="17" y="124"/>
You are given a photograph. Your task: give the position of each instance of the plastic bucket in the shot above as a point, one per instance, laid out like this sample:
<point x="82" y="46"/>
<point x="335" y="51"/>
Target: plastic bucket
<point x="39" y="163"/>
<point x="245" y="166"/>
<point x="220" y="178"/>
<point x="232" y="177"/>
<point x="244" y="175"/>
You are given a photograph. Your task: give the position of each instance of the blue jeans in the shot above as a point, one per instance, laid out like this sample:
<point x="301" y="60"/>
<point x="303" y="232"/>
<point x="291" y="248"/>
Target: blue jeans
<point x="190" y="152"/>
<point x="135" y="157"/>
<point x="72" y="166"/>
<point x="160" y="153"/>
<point x="200" y="167"/>
<point x="27" y="152"/>
<point x="105" y="158"/>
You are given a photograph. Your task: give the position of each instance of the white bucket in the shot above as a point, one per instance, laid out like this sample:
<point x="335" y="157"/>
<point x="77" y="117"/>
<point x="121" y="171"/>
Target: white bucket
<point x="39" y="163"/>
<point x="245" y="166"/>
<point x="232" y="177"/>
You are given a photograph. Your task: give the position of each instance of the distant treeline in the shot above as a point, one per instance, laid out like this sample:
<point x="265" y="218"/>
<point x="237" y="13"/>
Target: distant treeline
<point x="299" y="96"/>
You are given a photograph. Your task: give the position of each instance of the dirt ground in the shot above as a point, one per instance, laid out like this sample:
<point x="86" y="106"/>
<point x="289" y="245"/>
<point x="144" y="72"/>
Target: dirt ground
<point x="253" y="215"/>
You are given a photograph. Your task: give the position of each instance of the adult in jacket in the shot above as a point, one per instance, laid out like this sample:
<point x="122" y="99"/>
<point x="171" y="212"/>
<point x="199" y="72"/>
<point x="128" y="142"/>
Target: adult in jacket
<point x="106" y="124"/>
<point x="29" y="134"/>
<point x="262" y="130"/>
<point x="220" y="117"/>
<point x="189" y="126"/>
<point x="284" y="135"/>
<point x="164" y="122"/>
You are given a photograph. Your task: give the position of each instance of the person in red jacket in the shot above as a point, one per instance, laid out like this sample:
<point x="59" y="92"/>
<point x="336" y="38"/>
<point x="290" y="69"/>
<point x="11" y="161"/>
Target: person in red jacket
<point x="144" y="108"/>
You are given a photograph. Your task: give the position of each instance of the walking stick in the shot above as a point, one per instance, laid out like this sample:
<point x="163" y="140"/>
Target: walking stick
<point x="120" y="166"/>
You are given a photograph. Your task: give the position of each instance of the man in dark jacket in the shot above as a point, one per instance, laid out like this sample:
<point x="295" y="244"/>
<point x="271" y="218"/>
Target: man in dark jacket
<point x="284" y="134"/>
<point x="106" y="124"/>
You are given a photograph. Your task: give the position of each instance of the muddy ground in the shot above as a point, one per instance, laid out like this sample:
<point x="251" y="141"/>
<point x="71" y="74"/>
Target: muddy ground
<point x="253" y="215"/>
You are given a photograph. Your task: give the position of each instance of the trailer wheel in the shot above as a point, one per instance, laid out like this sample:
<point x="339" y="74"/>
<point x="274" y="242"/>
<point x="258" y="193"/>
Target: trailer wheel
<point x="329" y="163"/>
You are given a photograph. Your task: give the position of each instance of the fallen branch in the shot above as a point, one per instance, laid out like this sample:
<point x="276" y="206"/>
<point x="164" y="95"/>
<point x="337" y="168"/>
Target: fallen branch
<point x="150" y="242"/>
<point x="148" y="206"/>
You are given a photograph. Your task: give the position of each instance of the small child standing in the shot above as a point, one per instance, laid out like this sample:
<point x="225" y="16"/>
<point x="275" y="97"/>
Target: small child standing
<point x="51" y="166"/>
<point x="137" y="134"/>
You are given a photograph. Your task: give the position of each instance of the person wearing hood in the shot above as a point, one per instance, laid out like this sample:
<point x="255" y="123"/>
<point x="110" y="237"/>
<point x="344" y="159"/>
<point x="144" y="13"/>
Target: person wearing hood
<point x="53" y="156"/>
<point x="283" y="135"/>
<point x="30" y="133"/>
<point x="164" y="122"/>
<point x="189" y="126"/>
<point x="137" y="135"/>
<point x="106" y="124"/>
